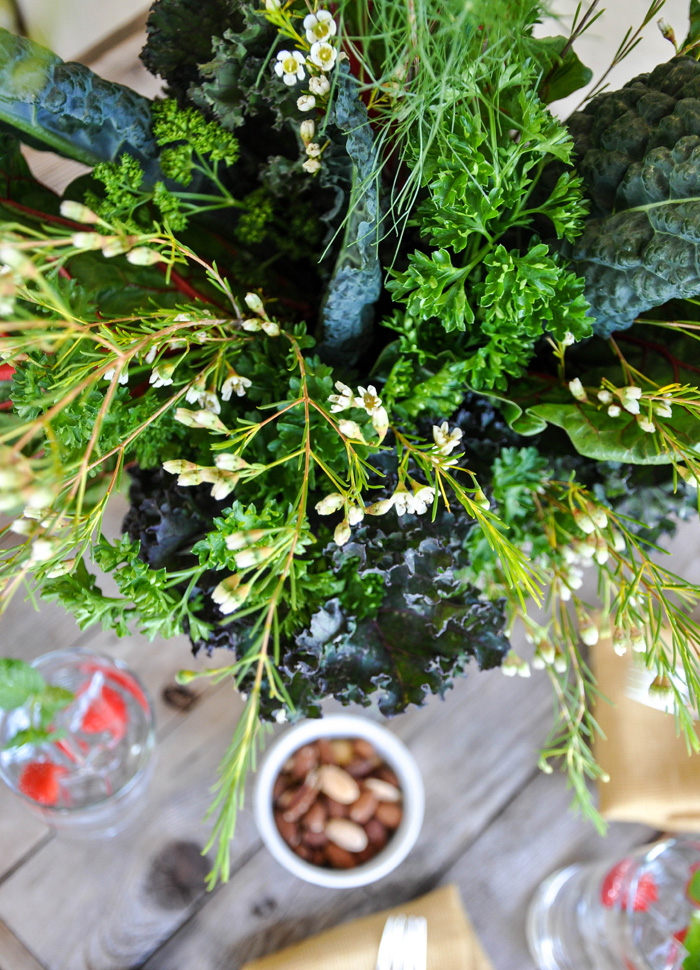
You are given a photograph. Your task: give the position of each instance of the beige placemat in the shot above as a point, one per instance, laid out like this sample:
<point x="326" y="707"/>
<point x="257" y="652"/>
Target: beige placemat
<point x="653" y="780"/>
<point x="452" y="942"/>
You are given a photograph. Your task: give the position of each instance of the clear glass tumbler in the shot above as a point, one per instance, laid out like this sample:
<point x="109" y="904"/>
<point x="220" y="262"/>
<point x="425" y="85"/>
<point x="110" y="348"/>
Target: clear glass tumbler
<point x="632" y="914"/>
<point x="87" y="783"/>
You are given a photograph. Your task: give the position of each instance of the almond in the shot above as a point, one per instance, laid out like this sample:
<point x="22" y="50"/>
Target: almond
<point x="342" y="750"/>
<point x="383" y="791"/>
<point x="346" y="834"/>
<point x="364" y="808"/>
<point x="389" y="814"/>
<point x="338" y="784"/>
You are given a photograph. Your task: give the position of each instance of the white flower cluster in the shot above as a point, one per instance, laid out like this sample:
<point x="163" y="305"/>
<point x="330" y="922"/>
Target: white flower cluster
<point x="320" y="27"/>
<point x="368" y="400"/>
<point x="223" y="477"/>
<point x="629" y="398"/>
<point x="415" y="502"/>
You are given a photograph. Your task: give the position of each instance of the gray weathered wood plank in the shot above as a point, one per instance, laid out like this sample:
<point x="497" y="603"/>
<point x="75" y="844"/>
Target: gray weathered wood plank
<point x="13" y="956"/>
<point x="536" y="834"/>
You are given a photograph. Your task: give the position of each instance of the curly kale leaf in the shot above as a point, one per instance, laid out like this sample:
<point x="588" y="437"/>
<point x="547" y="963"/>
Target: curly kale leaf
<point x="427" y="627"/>
<point x="68" y="109"/>
<point x="180" y="34"/>
<point x="357" y="279"/>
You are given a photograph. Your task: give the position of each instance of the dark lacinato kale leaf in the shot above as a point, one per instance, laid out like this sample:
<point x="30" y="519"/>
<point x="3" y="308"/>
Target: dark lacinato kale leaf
<point x="179" y="39"/>
<point x="639" y="154"/>
<point x="68" y="109"/>
<point x="356" y="284"/>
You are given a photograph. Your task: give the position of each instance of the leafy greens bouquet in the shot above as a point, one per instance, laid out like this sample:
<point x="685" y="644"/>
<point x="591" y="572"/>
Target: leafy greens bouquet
<point x="383" y="349"/>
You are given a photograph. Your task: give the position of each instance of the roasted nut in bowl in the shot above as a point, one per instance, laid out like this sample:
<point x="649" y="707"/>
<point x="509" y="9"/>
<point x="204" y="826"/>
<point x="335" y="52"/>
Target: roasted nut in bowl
<point x="339" y="801"/>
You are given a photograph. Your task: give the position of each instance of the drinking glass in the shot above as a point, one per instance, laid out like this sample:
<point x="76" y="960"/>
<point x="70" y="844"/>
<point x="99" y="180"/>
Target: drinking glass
<point x="88" y="782"/>
<point x="629" y="914"/>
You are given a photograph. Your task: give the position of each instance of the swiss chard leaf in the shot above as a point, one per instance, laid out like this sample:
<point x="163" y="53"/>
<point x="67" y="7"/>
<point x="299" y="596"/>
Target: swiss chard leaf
<point x="68" y="109"/>
<point x="561" y="76"/>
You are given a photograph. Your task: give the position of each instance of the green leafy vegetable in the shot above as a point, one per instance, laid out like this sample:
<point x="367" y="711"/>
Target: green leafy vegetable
<point x="67" y="108"/>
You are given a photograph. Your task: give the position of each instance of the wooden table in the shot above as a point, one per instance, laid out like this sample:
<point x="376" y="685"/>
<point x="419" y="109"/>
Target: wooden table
<point x="494" y="825"/>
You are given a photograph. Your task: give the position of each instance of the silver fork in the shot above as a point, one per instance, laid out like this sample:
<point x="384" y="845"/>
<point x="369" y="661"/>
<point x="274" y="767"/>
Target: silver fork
<point x="404" y="944"/>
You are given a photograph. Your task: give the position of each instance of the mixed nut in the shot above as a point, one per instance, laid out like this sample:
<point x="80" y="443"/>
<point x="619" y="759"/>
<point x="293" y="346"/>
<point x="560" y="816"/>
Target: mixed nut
<point x="337" y="803"/>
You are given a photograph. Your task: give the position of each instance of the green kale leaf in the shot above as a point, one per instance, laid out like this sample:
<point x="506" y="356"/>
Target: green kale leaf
<point x="68" y="109"/>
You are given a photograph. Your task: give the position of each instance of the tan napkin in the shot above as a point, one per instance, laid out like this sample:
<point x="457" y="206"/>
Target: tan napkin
<point x="653" y="780"/>
<point x="452" y="942"/>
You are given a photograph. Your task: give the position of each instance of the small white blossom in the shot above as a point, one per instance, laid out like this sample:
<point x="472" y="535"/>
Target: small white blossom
<point x="143" y="256"/>
<point x="77" y="212"/>
<point x="230" y="594"/>
<point x="162" y="375"/>
<point x="307" y="102"/>
<point x="637" y="640"/>
<point x="620" y="641"/>
<point x="272" y="5"/>
<point x="319" y="26"/>
<point x="330" y="503"/>
<point x="43" y="549"/>
<point x="513" y="665"/>
<point x="254" y="303"/>
<point x="323" y="55"/>
<point x="290" y="67"/>
<point x="403" y="500"/>
<point x="241" y="540"/>
<point x="252" y="557"/>
<point x="664" y="409"/>
<point x="446" y="440"/>
<point x="351" y="430"/>
<point x="280" y="715"/>
<point x="578" y="390"/>
<point x="355" y="514"/>
<point x="270" y="328"/>
<point x="319" y="85"/>
<point x="306" y="130"/>
<point x="339" y="402"/>
<point x="423" y="496"/>
<point x="583" y="521"/>
<point x="599" y="516"/>
<point x="605" y="396"/>
<point x="560" y="663"/>
<point x="150" y="356"/>
<point x="312" y="165"/>
<point x="230" y="463"/>
<point x="313" y="149"/>
<point x="123" y="377"/>
<point x="87" y="240"/>
<point x="60" y="569"/>
<point x="569" y="339"/>
<point x="234" y="384"/>
<point x="223" y="483"/>
<point x="381" y="507"/>
<point x="342" y="533"/>
<point x="251" y="325"/>
<point x="645" y="424"/>
<point x="619" y="542"/>
<point x="614" y="411"/>
<point x="602" y="553"/>
<point x="629" y="397"/>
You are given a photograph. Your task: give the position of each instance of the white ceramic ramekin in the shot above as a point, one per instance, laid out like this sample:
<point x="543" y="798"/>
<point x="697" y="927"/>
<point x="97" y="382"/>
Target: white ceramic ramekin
<point x="397" y="756"/>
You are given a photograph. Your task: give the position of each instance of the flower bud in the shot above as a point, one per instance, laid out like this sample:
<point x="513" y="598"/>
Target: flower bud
<point x="78" y="212"/>
<point x="306" y="130"/>
<point x="342" y="533"/>
<point x="254" y="303"/>
<point x="330" y="503"/>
